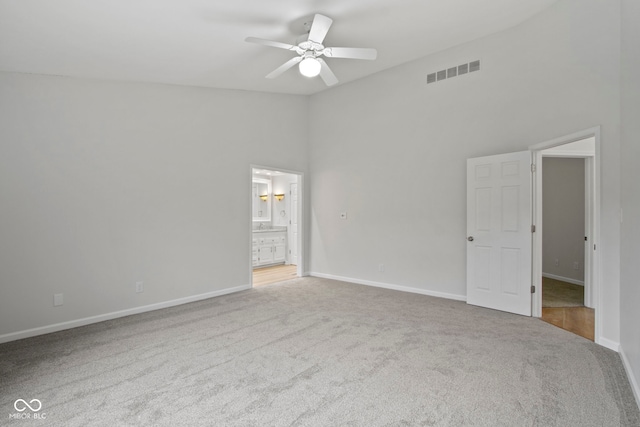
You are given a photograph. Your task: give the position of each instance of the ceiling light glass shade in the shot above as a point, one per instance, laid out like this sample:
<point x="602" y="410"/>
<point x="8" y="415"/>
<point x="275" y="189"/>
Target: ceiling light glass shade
<point x="309" y="67"/>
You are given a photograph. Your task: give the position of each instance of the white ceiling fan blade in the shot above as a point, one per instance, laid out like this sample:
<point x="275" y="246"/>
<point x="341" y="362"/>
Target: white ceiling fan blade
<point x="319" y="28"/>
<point x="327" y="75"/>
<point x="270" y="43"/>
<point x="350" y="52"/>
<point x="284" y="67"/>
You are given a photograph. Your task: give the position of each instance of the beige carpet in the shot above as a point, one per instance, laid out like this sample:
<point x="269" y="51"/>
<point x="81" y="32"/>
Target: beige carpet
<point x="315" y="352"/>
<point x="556" y="293"/>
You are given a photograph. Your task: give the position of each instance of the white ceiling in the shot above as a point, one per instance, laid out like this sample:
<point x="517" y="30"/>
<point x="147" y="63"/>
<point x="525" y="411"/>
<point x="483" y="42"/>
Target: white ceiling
<point x="201" y="42"/>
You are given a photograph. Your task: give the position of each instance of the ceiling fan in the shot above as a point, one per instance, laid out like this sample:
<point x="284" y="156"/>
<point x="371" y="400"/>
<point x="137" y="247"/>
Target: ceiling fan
<point x="310" y="51"/>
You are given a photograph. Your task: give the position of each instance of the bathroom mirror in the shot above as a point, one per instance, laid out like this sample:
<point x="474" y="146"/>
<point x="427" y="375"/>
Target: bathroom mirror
<point x="261" y="206"/>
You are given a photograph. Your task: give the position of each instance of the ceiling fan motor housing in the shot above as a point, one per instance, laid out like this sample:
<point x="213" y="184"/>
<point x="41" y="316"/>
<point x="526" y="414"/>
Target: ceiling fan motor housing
<point x="310" y="47"/>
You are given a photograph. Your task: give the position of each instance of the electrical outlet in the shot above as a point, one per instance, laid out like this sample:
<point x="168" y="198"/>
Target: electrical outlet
<point x="381" y="268"/>
<point x="576" y="265"/>
<point x="557" y="262"/>
<point x="58" y="300"/>
<point x="139" y="287"/>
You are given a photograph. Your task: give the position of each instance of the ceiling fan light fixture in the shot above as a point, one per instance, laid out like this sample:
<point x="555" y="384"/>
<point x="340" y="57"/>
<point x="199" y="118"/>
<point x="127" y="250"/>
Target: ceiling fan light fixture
<point x="309" y="67"/>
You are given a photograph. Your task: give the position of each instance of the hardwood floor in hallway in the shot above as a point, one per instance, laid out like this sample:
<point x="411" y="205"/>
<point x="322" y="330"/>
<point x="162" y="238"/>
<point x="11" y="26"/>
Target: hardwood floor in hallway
<point x="579" y="320"/>
<point x="563" y="306"/>
<point x="277" y="273"/>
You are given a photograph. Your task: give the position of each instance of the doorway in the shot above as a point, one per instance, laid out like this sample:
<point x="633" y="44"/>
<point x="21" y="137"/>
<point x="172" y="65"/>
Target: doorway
<point x="505" y="226"/>
<point x="566" y="219"/>
<point x="276" y="225"/>
<point x="564" y="237"/>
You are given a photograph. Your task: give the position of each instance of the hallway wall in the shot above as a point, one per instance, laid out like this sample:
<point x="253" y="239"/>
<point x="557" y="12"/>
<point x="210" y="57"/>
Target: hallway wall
<point x="563" y="218"/>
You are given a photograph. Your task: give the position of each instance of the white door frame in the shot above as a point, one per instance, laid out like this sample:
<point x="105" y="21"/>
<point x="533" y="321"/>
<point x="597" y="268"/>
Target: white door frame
<point x="290" y="254"/>
<point x="301" y="224"/>
<point x="592" y="256"/>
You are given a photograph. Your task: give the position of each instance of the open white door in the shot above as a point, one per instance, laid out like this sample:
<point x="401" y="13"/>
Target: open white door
<point x="499" y="232"/>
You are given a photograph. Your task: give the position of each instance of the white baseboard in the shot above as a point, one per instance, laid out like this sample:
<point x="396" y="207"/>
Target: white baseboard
<point x="632" y="378"/>
<point x="611" y="345"/>
<point x="563" y="279"/>
<point x="114" y="315"/>
<point x="391" y="286"/>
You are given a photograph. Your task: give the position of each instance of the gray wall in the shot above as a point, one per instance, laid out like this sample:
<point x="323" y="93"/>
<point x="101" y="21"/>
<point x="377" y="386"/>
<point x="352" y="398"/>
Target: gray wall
<point x="392" y="151"/>
<point x="563" y="217"/>
<point x="104" y="184"/>
<point x="630" y="253"/>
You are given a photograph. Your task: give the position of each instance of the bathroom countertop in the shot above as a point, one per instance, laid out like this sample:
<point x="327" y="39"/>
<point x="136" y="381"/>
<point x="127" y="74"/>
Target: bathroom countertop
<point x="270" y="230"/>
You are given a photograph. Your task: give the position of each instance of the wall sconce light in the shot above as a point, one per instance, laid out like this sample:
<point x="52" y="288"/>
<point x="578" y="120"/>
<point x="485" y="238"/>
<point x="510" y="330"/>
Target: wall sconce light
<point x="279" y="197"/>
<point x="264" y="197"/>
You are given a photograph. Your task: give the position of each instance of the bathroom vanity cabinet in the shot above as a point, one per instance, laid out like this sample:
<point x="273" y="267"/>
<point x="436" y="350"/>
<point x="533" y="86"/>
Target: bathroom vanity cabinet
<point x="269" y="247"/>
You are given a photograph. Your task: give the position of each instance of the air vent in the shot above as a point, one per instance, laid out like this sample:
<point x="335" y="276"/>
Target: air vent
<point x="453" y="72"/>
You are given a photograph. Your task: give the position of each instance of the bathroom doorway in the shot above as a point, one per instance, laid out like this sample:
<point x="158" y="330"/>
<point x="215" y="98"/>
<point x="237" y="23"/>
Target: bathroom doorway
<point x="276" y="225"/>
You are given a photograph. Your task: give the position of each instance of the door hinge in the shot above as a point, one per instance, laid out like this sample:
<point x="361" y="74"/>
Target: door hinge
<point x="585" y="238"/>
<point x="533" y="228"/>
<point x="533" y="167"/>
<point x="533" y="289"/>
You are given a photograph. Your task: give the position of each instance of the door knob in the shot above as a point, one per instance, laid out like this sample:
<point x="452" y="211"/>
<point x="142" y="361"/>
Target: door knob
<point x="470" y="238"/>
